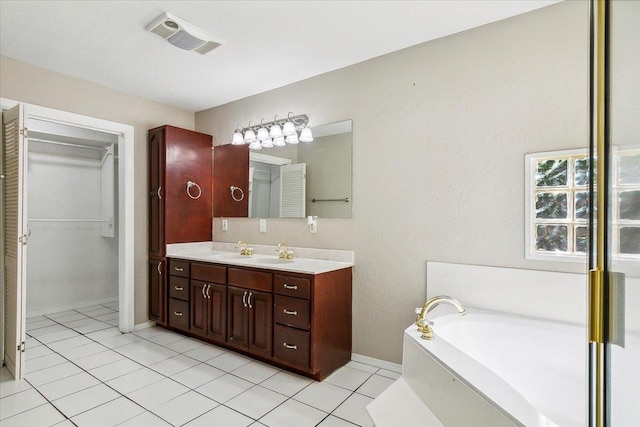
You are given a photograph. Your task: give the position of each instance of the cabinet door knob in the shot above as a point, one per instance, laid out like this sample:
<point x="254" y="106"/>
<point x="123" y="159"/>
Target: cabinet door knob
<point x="290" y="346"/>
<point x="203" y="288"/>
<point x="159" y="195"/>
<point x="208" y="289"/>
<point x="179" y="268"/>
<point x="249" y="299"/>
<point x="294" y="287"/>
<point x="244" y="299"/>
<point x="178" y="313"/>
<point x="159" y="268"/>
<point x="289" y="312"/>
<point x="178" y="288"/>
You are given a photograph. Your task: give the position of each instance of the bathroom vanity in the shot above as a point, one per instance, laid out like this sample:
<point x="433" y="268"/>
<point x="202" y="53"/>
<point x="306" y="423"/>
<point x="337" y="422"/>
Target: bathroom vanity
<point x="295" y="314"/>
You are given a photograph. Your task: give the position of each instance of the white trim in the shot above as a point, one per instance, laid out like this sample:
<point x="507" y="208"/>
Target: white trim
<point x="145" y="325"/>
<point x="382" y="364"/>
<point x="125" y="196"/>
<point x="270" y="160"/>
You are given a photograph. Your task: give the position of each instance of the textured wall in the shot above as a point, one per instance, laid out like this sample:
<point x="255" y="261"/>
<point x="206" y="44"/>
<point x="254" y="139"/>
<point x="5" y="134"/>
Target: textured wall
<point x="26" y="83"/>
<point x="440" y="131"/>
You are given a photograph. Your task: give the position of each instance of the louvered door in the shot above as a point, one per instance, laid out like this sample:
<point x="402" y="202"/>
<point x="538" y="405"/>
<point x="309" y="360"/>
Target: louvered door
<point x="15" y="236"/>
<point x="293" y="181"/>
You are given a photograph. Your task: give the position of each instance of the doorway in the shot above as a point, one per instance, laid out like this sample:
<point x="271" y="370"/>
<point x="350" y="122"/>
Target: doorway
<point x="73" y="218"/>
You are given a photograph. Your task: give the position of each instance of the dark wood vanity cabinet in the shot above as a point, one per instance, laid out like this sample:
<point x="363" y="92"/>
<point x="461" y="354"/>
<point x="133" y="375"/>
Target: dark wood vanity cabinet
<point x="297" y="321"/>
<point x="157" y="290"/>
<point x="179" y="212"/>
<point x="209" y="301"/>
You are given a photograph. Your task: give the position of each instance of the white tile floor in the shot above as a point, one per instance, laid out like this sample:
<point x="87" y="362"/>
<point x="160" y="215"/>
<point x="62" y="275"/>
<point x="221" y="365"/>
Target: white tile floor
<point x="81" y="371"/>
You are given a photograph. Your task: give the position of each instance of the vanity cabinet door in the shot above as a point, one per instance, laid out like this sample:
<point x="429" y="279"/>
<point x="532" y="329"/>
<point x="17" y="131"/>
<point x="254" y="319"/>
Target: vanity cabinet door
<point x="157" y="291"/>
<point x="260" y="306"/>
<point x="237" y="317"/>
<point x="199" y="308"/>
<point x="217" y="317"/>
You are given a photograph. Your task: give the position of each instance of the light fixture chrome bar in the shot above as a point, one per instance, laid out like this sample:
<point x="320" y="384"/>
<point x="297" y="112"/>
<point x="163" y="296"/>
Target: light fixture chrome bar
<point x="298" y="121"/>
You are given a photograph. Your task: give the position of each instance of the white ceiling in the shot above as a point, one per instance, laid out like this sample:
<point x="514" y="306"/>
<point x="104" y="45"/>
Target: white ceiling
<point x="266" y="44"/>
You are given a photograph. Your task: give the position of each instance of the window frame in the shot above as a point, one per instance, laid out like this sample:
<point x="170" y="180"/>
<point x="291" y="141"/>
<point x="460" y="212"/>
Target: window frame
<point x="617" y="188"/>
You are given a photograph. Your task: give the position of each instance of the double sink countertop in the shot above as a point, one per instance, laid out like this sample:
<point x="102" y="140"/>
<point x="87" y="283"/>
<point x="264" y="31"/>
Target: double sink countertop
<point x="305" y="260"/>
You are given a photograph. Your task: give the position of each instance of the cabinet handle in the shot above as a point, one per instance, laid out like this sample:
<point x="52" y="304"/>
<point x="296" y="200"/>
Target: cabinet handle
<point x="178" y="268"/>
<point x="244" y="299"/>
<point x="208" y="289"/>
<point x="159" y="269"/>
<point x="203" y="288"/>
<point x="178" y="288"/>
<point x="290" y="346"/>
<point x="295" y="288"/>
<point x="178" y="313"/>
<point x="249" y="299"/>
<point x="290" y="313"/>
<point x="159" y="195"/>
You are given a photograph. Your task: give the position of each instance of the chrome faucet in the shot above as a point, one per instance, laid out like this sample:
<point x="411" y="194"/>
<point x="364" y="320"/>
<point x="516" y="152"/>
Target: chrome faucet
<point x="246" y="250"/>
<point x="423" y="323"/>
<point x="284" y="253"/>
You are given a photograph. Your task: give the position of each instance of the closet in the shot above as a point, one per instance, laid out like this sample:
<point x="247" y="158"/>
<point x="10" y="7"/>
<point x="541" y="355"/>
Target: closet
<point x="72" y="218"/>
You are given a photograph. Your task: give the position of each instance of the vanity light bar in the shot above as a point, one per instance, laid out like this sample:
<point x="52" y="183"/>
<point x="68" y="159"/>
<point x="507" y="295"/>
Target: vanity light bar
<point x="274" y="133"/>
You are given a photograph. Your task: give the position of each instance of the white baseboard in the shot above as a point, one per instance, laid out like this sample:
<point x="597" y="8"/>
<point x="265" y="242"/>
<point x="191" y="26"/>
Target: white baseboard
<point x="383" y="364"/>
<point x="59" y="309"/>
<point x="144" y="325"/>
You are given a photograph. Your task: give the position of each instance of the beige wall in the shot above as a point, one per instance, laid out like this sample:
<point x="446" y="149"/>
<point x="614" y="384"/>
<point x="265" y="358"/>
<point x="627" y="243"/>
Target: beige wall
<point x="26" y="83"/>
<point x="440" y="132"/>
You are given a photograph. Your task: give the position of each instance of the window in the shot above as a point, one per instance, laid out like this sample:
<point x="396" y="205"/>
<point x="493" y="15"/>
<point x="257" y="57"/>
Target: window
<point x="557" y="205"/>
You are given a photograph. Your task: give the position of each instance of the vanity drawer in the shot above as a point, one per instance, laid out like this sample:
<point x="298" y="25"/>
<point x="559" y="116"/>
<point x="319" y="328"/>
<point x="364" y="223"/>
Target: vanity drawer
<point x="179" y="268"/>
<point x="209" y="273"/>
<point x="178" y="313"/>
<point x="298" y="287"/>
<point x="251" y="279"/>
<point x="292" y="312"/>
<point x="179" y="288"/>
<point x="291" y="346"/>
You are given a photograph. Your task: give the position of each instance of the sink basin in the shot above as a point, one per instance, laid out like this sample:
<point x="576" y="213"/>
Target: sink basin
<point x="274" y="261"/>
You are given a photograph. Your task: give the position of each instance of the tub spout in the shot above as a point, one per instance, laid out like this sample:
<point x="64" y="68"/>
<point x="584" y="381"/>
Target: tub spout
<point x="423" y="323"/>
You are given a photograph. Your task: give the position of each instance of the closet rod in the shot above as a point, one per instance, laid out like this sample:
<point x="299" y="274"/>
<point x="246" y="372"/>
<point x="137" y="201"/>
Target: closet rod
<point x="67" y="144"/>
<point x="65" y="220"/>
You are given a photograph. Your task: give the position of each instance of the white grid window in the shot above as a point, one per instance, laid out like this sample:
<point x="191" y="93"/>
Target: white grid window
<point x="557" y="207"/>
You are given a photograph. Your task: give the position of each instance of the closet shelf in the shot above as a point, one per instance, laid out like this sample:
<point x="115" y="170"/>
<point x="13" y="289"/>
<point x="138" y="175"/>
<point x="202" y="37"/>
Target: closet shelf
<point x="69" y="220"/>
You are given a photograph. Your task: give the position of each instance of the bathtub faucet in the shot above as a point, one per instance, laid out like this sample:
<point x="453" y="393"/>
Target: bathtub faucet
<point x="423" y="323"/>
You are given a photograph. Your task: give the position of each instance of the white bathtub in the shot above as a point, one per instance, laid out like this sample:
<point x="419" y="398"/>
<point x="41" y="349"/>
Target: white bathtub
<point x="492" y="369"/>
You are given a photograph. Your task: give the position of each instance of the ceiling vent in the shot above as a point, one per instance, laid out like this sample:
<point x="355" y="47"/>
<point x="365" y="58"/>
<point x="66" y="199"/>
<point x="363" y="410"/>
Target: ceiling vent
<point x="182" y="34"/>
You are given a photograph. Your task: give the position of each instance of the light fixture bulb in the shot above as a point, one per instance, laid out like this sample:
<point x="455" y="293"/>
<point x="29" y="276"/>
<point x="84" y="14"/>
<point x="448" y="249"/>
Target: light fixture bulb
<point x="255" y="145"/>
<point x="279" y="141"/>
<point x="275" y="131"/>
<point x="237" y="138"/>
<point x="263" y="134"/>
<point x="292" y="139"/>
<point x="267" y="143"/>
<point x="249" y="136"/>
<point x="306" y="135"/>
<point x="288" y="129"/>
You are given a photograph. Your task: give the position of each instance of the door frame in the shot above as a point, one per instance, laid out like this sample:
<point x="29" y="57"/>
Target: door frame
<point x="126" y="256"/>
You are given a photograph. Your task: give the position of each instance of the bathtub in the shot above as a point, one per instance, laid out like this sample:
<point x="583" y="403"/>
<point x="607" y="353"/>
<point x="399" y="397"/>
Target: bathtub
<point x="493" y="369"/>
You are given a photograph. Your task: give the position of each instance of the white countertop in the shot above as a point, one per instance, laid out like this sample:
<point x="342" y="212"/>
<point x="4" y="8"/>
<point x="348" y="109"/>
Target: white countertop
<point x="310" y="261"/>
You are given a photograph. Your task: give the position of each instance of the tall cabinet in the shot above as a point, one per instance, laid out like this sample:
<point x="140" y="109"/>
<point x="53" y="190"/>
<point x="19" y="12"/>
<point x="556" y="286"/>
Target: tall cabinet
<point x="180" y="201"/>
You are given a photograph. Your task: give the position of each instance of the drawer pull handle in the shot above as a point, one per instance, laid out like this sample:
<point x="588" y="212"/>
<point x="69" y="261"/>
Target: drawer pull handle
<point x="290" y="313"/>
<point x="294" y="288"/>
<point x="290" y="346"/>
<point x="178" y="288"/>
<point x="179" y="268"/>
<point x="178" y="313"/>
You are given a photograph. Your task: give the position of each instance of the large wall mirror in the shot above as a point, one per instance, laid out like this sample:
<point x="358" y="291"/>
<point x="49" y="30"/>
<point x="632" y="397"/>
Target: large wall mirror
<point x="294" y="181"/>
